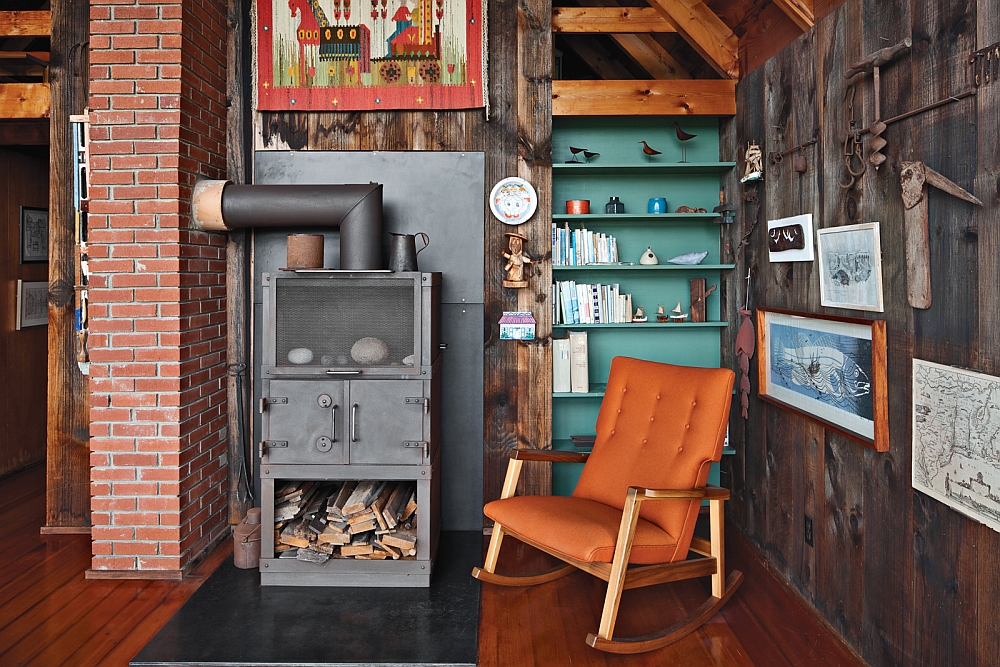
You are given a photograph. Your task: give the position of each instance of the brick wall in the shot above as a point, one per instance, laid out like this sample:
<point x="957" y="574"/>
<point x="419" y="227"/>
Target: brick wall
<point x="157" y="289"/>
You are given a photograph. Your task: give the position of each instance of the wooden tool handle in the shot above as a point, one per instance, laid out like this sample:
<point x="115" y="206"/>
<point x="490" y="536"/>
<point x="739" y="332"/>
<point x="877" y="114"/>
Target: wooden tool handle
<point x="879" y="58"/>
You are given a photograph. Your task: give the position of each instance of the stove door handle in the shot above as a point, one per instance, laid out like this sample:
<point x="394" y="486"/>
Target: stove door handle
<point x="333" y="438"/>
<point x="331" y="372"/>
<point x="354" y="421"/>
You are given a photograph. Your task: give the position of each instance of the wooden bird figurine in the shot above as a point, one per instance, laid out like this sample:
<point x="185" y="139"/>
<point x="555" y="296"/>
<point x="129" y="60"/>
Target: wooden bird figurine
<point x="574" y="150"/>
<point x="590" y="154"/>
<point x="650" y="152"/>
<point x="683" y="137"/>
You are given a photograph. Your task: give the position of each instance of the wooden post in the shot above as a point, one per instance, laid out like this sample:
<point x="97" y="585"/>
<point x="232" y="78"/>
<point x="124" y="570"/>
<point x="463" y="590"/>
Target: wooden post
<point x="67" y="499"/>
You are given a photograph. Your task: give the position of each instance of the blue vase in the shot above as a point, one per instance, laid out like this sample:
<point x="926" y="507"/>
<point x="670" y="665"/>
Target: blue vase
<point x="657" y="205"/>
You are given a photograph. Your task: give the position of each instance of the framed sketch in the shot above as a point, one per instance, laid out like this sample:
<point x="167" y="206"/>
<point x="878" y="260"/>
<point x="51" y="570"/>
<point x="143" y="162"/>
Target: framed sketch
<point x="32" y="304"/>
<point x="850" y="267"/>
<point x="829" y="369"/>
<point x="956" y="435"/>
<point x="34" y="235"/>
<point x="791" y="239"/>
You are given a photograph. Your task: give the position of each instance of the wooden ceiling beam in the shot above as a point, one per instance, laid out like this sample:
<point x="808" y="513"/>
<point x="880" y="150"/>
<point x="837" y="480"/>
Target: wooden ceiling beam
<point x="705" y="32"/>
<point x="609" y="20"/>
<point x="24" y="132"/>
<point x="26" y="24"/>
<point x="800" y="11"/>
<point x="24" y="100"/>
<point x="646" y="51"/>
<point x="597" y="57"/>
<point x="716" y="97"/>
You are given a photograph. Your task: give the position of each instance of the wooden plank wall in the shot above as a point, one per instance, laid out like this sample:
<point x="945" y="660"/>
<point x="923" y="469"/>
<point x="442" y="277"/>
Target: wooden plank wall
<point x="904" y="579"/>
<point x="24" y="181"/>
<point x="517" y="140"/>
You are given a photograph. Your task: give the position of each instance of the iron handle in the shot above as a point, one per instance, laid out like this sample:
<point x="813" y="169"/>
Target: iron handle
<point x="334" y="437"/>
<point x="354" y="421"/>
<point x="332" y="372"/>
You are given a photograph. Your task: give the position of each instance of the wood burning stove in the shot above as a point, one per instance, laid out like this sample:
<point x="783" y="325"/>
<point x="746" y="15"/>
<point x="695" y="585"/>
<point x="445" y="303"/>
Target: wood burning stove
<point x="350" y="386"/>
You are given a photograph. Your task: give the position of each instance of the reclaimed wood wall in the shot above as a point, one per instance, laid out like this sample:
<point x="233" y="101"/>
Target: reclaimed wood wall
<point x="903" y="578"/>
<point x="517" y="140"/>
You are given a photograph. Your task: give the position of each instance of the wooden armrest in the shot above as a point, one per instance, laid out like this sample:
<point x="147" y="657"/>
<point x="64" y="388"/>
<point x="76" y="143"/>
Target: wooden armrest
<point x="548" y="455"/>
<point x="708" y="493"/>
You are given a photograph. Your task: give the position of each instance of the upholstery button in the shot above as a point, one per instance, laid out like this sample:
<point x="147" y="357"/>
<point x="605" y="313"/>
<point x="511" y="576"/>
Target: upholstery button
<point x="644" y="441"/>
<point x="687" y="425"/>
<point x="650" y="419"/>
<point x="694" y="403"/>
<point x="680" y="449"/>
<point x="619" y="410"/>
<point x="612" y="431"/>
<point x="623" y="390"/>
<point x="657" y="397"/>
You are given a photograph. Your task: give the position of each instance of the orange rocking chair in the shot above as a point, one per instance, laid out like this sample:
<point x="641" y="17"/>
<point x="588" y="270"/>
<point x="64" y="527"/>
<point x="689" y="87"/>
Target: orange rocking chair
<point x="659" y="430"/>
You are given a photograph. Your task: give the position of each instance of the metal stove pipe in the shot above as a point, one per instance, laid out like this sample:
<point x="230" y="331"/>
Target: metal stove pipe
<point x="355" y="209"/>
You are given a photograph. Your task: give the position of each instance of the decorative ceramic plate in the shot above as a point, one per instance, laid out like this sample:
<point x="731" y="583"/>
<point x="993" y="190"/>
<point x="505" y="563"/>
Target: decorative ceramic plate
<point x="513" y="201"/>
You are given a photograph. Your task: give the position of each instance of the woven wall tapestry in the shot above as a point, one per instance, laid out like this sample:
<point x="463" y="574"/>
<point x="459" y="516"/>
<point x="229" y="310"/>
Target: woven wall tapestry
<point x="351" y="55"/>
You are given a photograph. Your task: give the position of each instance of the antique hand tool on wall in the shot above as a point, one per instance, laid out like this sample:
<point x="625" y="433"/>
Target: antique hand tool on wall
<point x="873" y="63"/>
<point x="986" y="64"/>
<point x="915" y="177"/>
<point x="746" y="343"/>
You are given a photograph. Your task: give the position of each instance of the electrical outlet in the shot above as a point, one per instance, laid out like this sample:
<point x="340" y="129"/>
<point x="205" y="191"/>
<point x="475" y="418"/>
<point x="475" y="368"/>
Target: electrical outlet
<point x="809" y="530"/>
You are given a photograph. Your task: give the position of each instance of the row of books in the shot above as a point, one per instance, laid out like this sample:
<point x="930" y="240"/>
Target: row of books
<point x="570" y="364"/>
<point x="578" y="247"/>
<point x="582" y="303"/>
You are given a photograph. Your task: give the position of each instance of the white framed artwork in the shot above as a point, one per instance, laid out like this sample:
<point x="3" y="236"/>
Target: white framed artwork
<point x="850" y="267"/>
<point x="791" y="239"/>
<point x="32" y="304"/>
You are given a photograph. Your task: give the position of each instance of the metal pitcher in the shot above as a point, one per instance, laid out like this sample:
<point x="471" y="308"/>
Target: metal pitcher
<point x="403" y="254"/>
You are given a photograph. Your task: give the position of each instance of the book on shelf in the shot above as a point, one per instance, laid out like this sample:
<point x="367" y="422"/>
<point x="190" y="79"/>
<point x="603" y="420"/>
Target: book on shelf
<point x="584" y="303"/>
<point x="560" y="366"/>
<point x="579" y="362"/>
<point x="579" y="247"/>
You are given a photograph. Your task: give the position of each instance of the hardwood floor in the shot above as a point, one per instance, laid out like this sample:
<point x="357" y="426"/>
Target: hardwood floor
<point x="49" y="614"/>
<point x="762" y="626"/>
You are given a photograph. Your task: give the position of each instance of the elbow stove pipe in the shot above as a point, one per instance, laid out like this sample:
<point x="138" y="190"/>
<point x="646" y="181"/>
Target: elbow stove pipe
<point x="221" y="206"/>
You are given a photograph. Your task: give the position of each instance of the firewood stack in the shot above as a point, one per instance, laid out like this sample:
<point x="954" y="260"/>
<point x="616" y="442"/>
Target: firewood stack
<point x="366" y="520"/>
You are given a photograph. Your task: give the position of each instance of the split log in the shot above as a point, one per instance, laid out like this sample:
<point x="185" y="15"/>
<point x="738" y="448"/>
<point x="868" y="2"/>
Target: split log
<point x="288" y="537"/>
<point x="411" y="506"/>
<point x="363" y="495"/>
<point x="363" y="517"/>
<point x="395" y="553"/>
<point x="374" y="555"/>
<point x="335" y="509"/>
<point x="360" y="545"/>
<point x="395" y="503"/>
<point x="383" y="498"/>
<point x="401" y="539"/>
<point x="363" y="527"/>
<point x="312" y="556"/>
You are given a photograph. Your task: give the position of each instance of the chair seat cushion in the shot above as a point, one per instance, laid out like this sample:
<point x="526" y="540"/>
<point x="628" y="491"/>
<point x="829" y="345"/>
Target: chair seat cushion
<point x="580" y="528"/>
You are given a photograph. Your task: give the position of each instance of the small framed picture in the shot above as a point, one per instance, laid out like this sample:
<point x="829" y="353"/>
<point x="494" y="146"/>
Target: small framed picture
<point x="32" y="304"/>
<point x="34" y="235"/>
<point x="831" y="370"/>
<point x="791" y="239"/>
<point x="850" y="267"/>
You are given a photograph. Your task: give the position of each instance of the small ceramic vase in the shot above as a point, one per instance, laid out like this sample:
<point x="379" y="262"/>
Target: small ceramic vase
<point x="614" y="206"/>
<point x="649" y="258"/>
<point x="657" y="205"/>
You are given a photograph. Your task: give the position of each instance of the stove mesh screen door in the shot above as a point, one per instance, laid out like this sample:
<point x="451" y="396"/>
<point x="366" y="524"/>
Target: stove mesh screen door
<point x="346" y="322"/>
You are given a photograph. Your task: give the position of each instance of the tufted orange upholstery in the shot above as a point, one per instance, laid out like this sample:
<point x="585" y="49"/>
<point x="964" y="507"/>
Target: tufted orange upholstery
<point x="660" y="427"/>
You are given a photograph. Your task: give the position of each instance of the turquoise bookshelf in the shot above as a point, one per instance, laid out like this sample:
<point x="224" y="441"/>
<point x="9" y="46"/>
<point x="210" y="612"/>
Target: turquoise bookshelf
<point x="622" y="170"/>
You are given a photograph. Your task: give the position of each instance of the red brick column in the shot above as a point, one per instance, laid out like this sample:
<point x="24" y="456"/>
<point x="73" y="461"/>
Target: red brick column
<point x="157" y="288"/>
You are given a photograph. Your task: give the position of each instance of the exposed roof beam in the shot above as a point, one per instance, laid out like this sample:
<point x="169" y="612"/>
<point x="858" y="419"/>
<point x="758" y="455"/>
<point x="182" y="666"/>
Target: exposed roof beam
<point x="715" y="97"/>
<point x="24" y="132"/>
<point x="24" y="100"/>
<point x="800" y="11"/>
<point x="25" y="24"/>
<point x="609" y="20"/>
<point x="705" y="32"/>
<point x="651" y="56"/>
<point x="597" y="58"/>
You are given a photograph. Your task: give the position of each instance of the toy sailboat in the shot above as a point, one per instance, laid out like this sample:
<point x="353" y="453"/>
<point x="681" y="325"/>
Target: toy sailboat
<point x="639" y="316"/>
<point x="660" y="315"/>
<point x="677" y="316"/>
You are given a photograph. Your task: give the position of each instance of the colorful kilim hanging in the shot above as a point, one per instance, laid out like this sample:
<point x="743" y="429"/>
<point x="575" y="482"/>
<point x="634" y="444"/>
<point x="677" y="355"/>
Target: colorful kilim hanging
<point x="344" y="55"/>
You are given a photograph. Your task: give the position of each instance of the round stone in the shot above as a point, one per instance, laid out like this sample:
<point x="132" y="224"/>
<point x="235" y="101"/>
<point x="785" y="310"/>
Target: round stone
<point x="300" y="355"/>
<point x="370" y="350"/>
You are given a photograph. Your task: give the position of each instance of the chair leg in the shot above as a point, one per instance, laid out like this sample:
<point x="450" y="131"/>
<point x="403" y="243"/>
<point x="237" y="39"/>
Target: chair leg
<point x="619" y="565"/>
<point x="716" y="517"/>
<point x="494" y="551"/>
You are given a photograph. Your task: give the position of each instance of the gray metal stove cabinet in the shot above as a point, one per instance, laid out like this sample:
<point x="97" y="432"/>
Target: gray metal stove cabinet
<point x="329" y="416"/>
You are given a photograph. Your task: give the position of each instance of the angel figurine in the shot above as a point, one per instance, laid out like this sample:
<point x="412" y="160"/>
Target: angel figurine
<point x="754" y="163"/>
<point x="516" y="259"/>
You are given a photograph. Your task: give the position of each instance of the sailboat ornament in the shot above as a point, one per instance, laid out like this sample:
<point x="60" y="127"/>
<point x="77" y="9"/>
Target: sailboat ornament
<point x="678" y="315"/>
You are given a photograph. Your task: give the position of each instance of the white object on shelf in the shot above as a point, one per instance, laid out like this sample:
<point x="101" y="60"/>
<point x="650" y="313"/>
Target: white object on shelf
<point x="579" y="363"/>
<point x="560" y="366"/>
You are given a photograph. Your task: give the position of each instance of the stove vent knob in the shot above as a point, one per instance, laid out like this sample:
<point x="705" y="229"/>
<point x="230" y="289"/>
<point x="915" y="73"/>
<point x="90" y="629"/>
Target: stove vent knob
<point x="324" y="444"/>
<point x="324" y="400"/>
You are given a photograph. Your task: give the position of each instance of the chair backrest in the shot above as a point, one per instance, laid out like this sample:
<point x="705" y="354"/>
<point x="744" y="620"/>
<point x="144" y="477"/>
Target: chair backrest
<point x="660" y="427"/>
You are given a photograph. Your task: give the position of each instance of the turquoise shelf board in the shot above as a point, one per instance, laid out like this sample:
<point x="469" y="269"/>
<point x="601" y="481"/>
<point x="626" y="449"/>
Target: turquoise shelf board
<point x="636" y="267"/>
<point x="617" y="139"/>
<point x="634" y="218"/>
<point x="657" y="325"/>
<point x="654" y="166"/>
